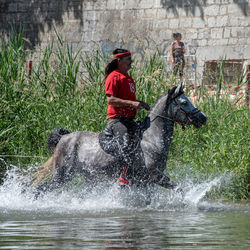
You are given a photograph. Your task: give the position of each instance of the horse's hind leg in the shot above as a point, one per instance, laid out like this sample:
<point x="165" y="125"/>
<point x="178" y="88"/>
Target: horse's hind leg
<point x="62" y="175"/>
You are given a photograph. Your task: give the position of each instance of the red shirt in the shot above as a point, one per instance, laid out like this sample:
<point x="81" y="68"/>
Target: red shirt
<point x="121" y="86"/>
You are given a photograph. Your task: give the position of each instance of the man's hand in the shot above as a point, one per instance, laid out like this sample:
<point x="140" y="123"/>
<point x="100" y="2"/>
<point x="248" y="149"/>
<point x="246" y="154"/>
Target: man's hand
<point x="143" y="105"/>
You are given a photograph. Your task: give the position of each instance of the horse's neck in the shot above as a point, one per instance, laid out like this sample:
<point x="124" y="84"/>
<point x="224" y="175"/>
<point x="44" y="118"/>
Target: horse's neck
<point x="159" y="135"/>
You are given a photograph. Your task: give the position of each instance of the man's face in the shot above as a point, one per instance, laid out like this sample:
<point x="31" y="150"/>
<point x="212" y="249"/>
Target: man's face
<point x="125" y="63"/>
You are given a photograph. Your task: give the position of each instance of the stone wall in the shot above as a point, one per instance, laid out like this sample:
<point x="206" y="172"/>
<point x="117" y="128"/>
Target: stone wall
<point x="211" y="29"/>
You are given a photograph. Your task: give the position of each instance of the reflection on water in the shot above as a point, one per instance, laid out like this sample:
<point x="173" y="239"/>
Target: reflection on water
<point x="65" y="220"/>
<point x="125" y="229"/>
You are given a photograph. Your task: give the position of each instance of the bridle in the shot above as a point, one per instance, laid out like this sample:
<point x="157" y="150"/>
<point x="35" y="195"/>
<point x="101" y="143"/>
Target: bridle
<point x="187" y="114"/>
<point x="179" y="108"/>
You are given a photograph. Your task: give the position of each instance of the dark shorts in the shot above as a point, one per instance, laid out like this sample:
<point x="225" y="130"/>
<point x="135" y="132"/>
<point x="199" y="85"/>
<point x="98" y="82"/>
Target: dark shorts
<point x="122" y="125"/>
<point x="179" y="63"/>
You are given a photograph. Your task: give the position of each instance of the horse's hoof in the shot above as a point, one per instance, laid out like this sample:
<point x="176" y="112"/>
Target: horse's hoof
<point x="36" y="195"/>
<point x="179" y="190"/>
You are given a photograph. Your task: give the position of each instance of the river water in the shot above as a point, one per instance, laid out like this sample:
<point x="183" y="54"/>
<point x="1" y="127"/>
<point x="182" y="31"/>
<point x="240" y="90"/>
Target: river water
<point x="101" y="220"/>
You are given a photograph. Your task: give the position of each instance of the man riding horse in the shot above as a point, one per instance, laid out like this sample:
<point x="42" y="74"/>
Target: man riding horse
<point x="120" y="91"/>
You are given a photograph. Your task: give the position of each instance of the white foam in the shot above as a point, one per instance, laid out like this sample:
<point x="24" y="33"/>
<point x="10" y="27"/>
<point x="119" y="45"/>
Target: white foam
<point x="12" y="197"/>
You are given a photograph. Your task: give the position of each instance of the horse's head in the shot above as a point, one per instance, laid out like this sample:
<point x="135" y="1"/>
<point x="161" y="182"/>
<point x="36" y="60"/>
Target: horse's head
<point x="182" y="109"/>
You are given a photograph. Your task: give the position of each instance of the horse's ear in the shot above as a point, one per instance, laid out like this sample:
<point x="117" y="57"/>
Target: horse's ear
<point x="172" y="91"/>
<point x="177" y="90"/>
<point x="182" y="87"/>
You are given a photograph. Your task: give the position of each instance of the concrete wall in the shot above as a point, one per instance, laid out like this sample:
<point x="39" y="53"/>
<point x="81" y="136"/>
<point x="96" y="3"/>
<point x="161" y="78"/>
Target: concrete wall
<point x="211" y="29"/>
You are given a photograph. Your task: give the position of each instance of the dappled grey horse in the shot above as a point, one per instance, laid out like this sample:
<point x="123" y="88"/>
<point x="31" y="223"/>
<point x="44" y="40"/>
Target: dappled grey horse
<point x="80" y="152"/>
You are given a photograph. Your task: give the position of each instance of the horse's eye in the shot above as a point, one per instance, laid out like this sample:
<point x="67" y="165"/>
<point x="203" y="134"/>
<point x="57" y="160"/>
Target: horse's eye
<point x="184" y="102"/>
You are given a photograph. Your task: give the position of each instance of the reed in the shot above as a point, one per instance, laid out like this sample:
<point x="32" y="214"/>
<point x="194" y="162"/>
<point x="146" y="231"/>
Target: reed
<point x="65" y="89"/>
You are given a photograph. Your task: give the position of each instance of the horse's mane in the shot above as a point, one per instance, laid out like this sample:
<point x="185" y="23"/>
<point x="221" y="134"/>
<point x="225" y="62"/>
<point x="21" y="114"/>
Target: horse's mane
<point x="169" y="96"/>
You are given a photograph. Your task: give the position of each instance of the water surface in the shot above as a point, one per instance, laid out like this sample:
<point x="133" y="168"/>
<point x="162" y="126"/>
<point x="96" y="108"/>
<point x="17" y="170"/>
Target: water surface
<point x="66" y="220"/>
<point x="126" y="229"/>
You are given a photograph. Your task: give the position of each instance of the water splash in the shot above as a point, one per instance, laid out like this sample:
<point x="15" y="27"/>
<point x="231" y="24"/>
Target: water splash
<point x="13" y="197"/>
<point x="195" y="193"/>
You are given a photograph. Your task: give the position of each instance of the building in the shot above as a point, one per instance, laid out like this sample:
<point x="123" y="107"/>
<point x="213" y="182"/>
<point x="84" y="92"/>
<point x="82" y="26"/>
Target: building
<point x="211" y="29"/>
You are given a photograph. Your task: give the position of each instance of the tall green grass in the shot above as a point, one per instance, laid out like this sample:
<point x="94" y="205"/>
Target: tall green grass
<point x="66" y="90"/>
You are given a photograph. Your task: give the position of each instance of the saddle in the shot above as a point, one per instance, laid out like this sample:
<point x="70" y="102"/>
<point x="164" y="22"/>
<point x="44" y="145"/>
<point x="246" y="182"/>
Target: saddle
<point x="109" y="143"/>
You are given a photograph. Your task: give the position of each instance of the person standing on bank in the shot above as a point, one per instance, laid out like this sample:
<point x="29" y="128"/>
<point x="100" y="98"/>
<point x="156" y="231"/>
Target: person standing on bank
<point x="177" y="54"/>
<point x="120" y="91"/>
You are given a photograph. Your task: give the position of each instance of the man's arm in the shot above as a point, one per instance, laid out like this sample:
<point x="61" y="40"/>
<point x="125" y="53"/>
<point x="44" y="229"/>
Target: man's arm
<point x="118" y="102"/>
<point x="183" y="48"/>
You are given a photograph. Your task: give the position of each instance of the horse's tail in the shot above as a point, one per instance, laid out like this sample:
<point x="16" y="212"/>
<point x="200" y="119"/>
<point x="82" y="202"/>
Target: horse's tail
<point x="43" y="172"/>
<point x="48" y="168"/>
<point x="55" y="137"/>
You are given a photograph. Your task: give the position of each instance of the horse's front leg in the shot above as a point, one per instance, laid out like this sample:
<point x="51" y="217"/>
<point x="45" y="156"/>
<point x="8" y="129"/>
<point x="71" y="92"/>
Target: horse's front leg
<point x="159" y="178"/>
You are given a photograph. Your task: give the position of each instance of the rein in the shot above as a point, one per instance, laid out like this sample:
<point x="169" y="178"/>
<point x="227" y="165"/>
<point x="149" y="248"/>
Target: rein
<point x="161" y="116"/>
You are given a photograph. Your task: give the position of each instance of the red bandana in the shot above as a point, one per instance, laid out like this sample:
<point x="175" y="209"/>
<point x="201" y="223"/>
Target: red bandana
<point x="121" y="55"/>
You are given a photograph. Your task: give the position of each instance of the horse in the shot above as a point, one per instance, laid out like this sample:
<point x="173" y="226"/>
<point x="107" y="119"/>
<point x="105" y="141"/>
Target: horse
<point x="80" y="151"/>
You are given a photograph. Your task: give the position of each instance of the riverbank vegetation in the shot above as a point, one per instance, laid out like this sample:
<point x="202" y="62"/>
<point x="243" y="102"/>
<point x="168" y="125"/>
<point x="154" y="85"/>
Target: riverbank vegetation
<point x="65" y="89"/>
